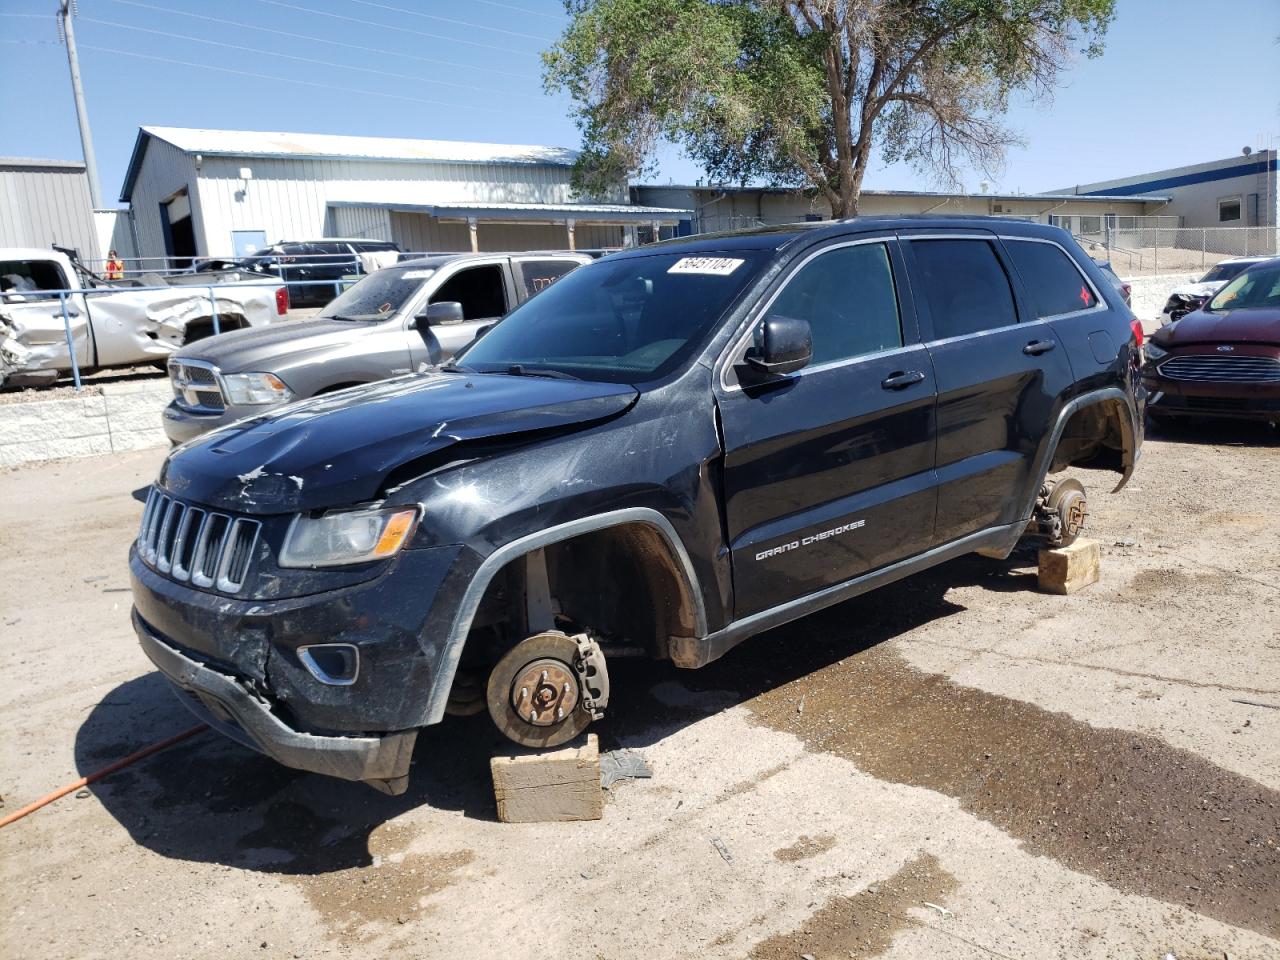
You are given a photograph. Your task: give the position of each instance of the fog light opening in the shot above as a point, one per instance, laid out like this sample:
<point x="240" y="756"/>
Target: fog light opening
<point x="335" y="664"/>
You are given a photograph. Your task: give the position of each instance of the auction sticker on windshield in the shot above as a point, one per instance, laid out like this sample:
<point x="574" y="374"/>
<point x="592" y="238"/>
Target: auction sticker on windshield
<point x="715" y="266"/>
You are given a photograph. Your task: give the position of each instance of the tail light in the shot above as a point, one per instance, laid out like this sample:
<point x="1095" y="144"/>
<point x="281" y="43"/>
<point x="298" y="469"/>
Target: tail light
<point x="282" y="301"/>
<point x="1136" y="326"/>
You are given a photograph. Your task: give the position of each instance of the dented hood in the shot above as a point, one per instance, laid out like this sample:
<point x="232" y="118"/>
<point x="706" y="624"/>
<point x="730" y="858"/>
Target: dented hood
<point x="337" y="449"/>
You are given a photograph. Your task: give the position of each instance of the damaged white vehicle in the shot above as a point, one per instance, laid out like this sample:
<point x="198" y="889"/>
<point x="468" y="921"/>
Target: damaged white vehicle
<point x="113" y="323"/>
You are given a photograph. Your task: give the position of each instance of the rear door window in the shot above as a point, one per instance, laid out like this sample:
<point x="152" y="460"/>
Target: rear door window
<point x="965" y="285"/>
<point x="480" y="290"/>
<point x="848" y="297"/>
<point x="537" y="275"/>
<point x="1051" y="277"/>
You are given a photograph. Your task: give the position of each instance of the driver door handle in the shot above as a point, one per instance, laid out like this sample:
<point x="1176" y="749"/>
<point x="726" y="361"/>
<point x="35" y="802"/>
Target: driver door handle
<point x="898" y="381"/>
<point x="1037" y="347"/>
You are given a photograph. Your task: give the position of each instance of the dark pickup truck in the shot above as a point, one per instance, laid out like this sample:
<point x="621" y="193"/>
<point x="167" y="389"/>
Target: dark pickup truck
<point x="666" y="452"/>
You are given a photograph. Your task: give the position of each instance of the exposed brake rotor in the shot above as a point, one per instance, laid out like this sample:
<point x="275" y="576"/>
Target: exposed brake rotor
<point x="548" y="688"/>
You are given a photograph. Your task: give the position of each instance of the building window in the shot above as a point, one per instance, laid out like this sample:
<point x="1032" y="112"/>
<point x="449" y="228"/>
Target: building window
<point x="1229" y="210"/>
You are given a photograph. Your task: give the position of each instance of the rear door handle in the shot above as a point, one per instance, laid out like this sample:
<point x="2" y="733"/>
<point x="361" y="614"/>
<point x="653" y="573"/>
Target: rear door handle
<point x="1037" y="347"/>
<point x="898" y="381"/>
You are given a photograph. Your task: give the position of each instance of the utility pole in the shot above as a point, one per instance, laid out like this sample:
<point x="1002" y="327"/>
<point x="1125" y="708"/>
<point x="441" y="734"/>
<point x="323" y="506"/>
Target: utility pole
<point x="65" y="15"/>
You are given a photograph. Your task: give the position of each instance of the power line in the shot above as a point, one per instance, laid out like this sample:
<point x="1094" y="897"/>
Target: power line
<point x="239" y="24"/>
<point x="312" y="60"/>
<point x="460" y="23"/>
<point x="264" y="76"/>
<point x="509" y="6"/>
<point x="396" y="27"/>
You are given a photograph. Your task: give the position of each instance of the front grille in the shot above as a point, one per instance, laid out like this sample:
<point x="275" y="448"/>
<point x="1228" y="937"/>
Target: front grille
<point x="196" y="387"/>
<point x="189" y="543"/>
<point x="1221" y="369"/>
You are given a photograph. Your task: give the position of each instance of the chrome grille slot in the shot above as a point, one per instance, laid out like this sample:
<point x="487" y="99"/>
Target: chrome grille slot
<point x="1222" y="369"/>
<point x="168" y="530"/>
<point x="190" y="543"/>
<point x="240" y="541"/>
<point x="184" y="544"/>
<point x="208" y="552"/>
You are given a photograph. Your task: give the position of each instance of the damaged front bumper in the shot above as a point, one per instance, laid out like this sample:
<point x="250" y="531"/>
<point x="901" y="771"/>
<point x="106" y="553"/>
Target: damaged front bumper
<point x="240" y="663"/>
<point x="228" y="706"/>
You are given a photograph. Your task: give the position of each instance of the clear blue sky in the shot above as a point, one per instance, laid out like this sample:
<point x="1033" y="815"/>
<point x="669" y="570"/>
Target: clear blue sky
<point x="1182" y="81"/>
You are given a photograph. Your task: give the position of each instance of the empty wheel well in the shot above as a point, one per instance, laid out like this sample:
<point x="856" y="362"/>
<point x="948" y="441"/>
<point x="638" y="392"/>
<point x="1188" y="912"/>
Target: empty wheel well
<point x="202" y="327"/>
<point x="1099" y="435"/>
<point x="621" y="582"/>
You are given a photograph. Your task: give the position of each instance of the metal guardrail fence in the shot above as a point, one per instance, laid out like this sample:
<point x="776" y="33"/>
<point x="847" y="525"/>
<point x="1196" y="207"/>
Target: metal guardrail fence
<point x="35" y="296"/>
<point x="1146" y="251"/>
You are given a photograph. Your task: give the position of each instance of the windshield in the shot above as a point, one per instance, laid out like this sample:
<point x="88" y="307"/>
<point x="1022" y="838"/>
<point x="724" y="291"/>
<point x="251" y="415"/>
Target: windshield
<point x="1224" y="272"/>
<point x="620" y="321"/>
<point x="377" y="296"/>
<point x="1259" y="287"/>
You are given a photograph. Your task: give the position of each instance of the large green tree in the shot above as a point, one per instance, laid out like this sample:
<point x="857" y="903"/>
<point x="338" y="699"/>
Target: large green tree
<point x="801" y="92"/>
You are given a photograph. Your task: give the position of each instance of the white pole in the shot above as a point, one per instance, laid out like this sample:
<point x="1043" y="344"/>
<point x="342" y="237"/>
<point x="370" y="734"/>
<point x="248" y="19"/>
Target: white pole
<point x="82" y="114"/>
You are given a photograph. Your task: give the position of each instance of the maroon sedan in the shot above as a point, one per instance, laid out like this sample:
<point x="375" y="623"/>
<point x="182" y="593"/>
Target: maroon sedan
<point x="1223" y="360"/>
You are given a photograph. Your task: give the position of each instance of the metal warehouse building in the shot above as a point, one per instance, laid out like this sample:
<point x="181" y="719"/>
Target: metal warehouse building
<point x="227" y="192"/>
<point x="1240" y="191"/>
<point x="46" y="202"/>
<point x="735" y="208"/>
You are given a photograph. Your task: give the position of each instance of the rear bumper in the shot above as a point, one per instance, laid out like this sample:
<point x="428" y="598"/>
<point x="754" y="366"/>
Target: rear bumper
<point x="228" y="706"/>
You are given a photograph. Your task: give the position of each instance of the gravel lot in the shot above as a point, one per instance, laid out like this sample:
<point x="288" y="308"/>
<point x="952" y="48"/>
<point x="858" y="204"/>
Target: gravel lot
<point x="956" y="766"/>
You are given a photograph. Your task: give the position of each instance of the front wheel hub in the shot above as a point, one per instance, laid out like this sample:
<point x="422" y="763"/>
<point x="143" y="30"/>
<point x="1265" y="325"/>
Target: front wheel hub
<point x="545" y="692"/>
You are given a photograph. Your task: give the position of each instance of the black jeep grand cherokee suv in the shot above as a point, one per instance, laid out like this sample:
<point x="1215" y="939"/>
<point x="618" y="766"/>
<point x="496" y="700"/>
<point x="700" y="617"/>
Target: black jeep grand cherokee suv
<point x="668" y="451"/>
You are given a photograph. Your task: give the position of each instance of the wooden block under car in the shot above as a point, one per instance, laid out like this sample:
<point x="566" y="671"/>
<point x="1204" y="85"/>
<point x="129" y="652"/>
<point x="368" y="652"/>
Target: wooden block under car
<point x="1070" y="569"/>
<point x="553" y="786"/>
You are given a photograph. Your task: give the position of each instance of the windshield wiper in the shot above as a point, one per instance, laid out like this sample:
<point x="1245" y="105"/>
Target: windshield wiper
<point x="521" y="370"/>
<point x="451" y="367"/>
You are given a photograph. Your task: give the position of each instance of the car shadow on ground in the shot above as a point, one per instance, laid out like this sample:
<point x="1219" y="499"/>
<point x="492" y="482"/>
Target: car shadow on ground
<point x="210" y="800"/>
<point x="1207" y="431"/>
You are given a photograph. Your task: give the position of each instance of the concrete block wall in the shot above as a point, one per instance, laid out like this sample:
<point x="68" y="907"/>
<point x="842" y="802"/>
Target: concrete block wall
<point x="110" y="418"/>
<point x="1149" y="295"/>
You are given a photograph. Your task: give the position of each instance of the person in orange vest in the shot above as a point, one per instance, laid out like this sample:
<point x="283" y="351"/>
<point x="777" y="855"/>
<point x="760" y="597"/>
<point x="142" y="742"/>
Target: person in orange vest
<point x="115" y="266"/>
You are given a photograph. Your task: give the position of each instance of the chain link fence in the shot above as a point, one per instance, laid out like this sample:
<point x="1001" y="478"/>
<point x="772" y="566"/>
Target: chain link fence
<point x="1159" y="250"/>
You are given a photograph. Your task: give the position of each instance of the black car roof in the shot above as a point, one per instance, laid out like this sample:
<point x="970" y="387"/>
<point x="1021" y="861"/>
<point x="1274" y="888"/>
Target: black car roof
<point x="784" y="235"/>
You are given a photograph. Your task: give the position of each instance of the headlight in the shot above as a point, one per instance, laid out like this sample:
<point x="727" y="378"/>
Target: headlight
<point x="253" y="389"/>
<point x="1154" y="352"/>
<point x="349" y="536"/>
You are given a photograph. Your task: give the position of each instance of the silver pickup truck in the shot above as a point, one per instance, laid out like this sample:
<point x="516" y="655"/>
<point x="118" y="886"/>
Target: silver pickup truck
<point x="389" y="323"/>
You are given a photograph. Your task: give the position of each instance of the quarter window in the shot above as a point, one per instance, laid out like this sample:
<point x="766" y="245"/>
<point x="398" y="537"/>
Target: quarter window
<point x="965" y="285"/>
<point x="539" y="274"/>
<point x="1051" y="278"/>
<point x="848" y="297"/>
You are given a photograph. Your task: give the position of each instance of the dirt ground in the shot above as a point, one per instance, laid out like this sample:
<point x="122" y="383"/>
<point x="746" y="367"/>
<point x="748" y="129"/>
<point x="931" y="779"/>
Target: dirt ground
<point x="956" y="766"/>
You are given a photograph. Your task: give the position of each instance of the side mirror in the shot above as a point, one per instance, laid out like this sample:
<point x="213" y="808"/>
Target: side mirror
<point x="783" y="345"/>
<point x="445" y="312"/>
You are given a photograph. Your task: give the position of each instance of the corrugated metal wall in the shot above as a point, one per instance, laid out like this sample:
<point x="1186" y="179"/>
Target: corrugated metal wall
<point x="368" y="223"/>
<point x="421" y="233"/>
<point x="43" y="205"/>
<point x="289" y="199"/>
<point x="166" y="170"/>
